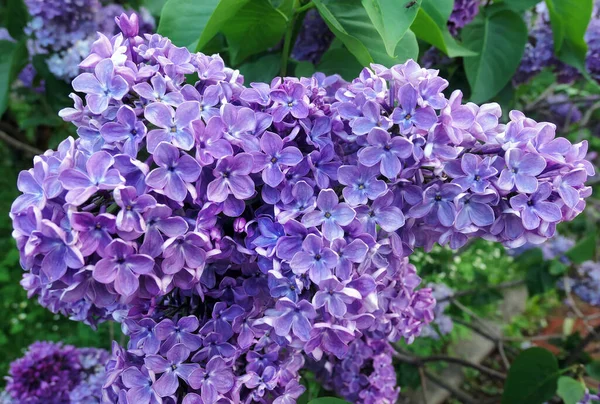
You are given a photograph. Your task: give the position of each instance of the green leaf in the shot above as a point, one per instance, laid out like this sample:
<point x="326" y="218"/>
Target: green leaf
<point x="520" y="5"/>
<point x="339" y="61"/>
<point x="557" y="267"/>
<point x="390" y="20"/>
<point x="532" y="377"/>
<point x="328" y="400"/>
<point x="431" y="27"/>
<point x="570" y="390"/>
<point x="192" y="23"/>
<point x="154" y="6"/>
<point x="16" y="18"/>
<point x="500" y="41"/>
<point x="539" y="279"/>
<point x="584" y="250"/>
<point x="350" y="23"/>
<point x="569" y="19"/>
<point x="263" y="69"/>
<point x="14" y="58"/>
<point x="593" y="369"/>
<point x="304" y="69"/>
<point x="247" y="34"/>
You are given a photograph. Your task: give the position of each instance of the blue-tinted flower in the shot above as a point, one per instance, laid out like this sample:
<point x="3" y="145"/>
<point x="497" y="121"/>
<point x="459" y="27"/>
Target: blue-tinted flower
<point x="232" y="177"/>
<point x="438" y="200"/>
<point x="521" y="170"/>
<point x="385" y="151"/>
<point x="361" y="184"/>
<point x="535" y="207"/>
<point x="330" y="214"/>
<point x="174" y="126"/>
<point x="314" y="258"/>
<point x="101" y="87"/>
<point x="175" y="172"/>
<point x="274" y="156"/>
<point x="170" y="369"/>
<point x="295" y="317"/>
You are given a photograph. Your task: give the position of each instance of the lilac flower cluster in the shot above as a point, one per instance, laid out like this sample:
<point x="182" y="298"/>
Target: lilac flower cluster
<point x="235" y="230"/>
<point x="313" y="38"/>
<point x="442" y="324"/>
<point x="55" y="373"/>
<point x="585" y="283"/>
<point x="539" y="51"/>
<point x="366" y="375"/>
<point x="65" y="31"/>
<point x="464" y="12"/>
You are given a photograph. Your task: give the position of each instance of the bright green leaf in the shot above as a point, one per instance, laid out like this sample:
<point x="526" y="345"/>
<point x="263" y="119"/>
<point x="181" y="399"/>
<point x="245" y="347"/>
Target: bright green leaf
<point x="154" y="6"/>
<point x="431" y="27"/>
<point x="390" y="20"/>
<point x="350" y="23"/>
<point x="570" y="390"/>
<point x="532" y="377"/>
<point x="263" y="69"/>
<point x="569" y="19"/>
<point x="16" y="18"/>
<point x="193" y="23"/>
<point x="327" y="400"/>
<point x="500" y="42"/>
<point x="247" y="34"/>
<point x="584" y="250"/>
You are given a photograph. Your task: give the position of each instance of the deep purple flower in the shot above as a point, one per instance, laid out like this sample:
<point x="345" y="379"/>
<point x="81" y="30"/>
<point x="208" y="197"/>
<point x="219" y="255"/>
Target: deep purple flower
<point x="348" y="254"/>
<point x="304" y="202"/>
<point x="290" y="101"/>
<point x="535" y="207"/>
<point x="181" y="332"/>
<point x="381" y="213"/>
<point x="210" y="144"/>
<point x="330" y="214"/>
<point x="232" y="177"/>
<point x="122" y="266"/>
<point x="473" y="173"/>
<point x="386" y="151"/>
<point x="188" y="251"/>
<point x="274" y="156"/>
<point x="101" y="87"/>
<point x="216" y="379"/>
<point x="172" y="368"/>
<point x="407" y="115"/>
<point x="98" y="175"/>
<point x="157" y="92"/>
<point x="160" y="220"/>
<point x="370" y="118"/>
<point x="295" y="317"/>
<point x="174" y="126"/>
<point x="128" y="129"/>
<point x="94" y="231"/>
<point x="476" y="209"/>
<point x="314" y="258"/>
<point x="438" y="200"/>
<point x="140" y="385"/>
<point x="132" y="206"/>
<point x="175" y="172"/>
<point x="521" y="170"/>
<point x="361" y="184"/>
<point x="57" y="249"/>
<point x="334" y="296"/>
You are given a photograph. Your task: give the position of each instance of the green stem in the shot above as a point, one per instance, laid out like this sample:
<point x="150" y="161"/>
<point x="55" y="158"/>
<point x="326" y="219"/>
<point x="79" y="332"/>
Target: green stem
<point x="306" y="7"/>
<point x="287" y="41"/>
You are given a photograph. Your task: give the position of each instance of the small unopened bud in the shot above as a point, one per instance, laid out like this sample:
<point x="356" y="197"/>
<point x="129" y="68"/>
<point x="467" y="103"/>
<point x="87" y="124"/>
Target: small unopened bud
<point x="130" y="25"/>
<point x="239" y="225"/>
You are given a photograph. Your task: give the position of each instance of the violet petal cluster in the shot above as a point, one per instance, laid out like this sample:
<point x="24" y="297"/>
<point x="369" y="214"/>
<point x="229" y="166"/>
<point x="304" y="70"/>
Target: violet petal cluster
<point x="55" y="373"/>
<point x="226" y="227"/>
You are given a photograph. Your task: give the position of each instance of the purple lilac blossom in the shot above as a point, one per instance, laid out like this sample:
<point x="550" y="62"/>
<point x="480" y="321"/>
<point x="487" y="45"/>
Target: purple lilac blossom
<point x="237" y="244"/>
<point x="464" y="12"/>
<point x="53" y="373"/>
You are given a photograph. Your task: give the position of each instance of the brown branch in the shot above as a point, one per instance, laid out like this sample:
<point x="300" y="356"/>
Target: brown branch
<point x="16" y="144"/>
<point x="461" y="395"/>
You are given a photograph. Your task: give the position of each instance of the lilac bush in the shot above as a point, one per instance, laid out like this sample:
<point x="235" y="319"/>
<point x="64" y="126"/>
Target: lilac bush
<point x="55" y="373"/>
<point x="238" y="232"/>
